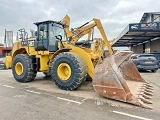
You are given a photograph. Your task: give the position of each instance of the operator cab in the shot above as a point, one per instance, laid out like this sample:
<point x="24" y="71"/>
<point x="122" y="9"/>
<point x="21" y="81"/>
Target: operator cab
<point x="47" y="35"/>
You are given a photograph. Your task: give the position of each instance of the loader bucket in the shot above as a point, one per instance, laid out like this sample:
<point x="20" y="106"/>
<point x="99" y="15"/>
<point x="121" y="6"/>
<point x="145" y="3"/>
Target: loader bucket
<point x="109" y="81"/>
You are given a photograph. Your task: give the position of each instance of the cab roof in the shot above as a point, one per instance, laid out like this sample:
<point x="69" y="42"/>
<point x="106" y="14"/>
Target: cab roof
<point x="48" y="21"/>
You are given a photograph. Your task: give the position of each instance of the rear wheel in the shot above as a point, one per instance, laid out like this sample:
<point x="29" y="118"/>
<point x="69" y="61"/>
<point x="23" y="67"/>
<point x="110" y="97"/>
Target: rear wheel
<point x="21" y="69"/>
<point x="68" y="71"/>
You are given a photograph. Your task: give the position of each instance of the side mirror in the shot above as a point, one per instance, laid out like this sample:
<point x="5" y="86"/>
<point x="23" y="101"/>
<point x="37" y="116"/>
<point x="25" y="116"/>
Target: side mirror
<point x="42" y="28"/>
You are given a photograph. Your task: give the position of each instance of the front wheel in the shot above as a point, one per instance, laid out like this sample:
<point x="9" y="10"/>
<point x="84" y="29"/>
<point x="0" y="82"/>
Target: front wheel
<point x="68" y="71"/>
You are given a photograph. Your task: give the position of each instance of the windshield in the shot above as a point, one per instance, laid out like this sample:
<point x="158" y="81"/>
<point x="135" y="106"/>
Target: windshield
<point x="55" y="30"/>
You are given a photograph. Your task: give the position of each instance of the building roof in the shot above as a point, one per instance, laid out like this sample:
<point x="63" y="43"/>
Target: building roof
<point x="137" y="33"/>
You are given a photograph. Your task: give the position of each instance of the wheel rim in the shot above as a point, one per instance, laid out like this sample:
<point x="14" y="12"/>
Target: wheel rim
<point x="64" y="71"/>
<point x="19" y="68"/>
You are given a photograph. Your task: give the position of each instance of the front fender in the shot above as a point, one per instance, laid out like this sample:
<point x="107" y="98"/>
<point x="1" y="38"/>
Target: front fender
<point x="85" y="56"/>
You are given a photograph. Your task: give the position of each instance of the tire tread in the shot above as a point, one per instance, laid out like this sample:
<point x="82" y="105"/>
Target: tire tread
<point x="80" y="72"/>
<point x="31" y="73"/>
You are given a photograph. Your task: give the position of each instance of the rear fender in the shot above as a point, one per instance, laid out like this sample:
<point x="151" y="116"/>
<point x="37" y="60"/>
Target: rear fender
<point x="8" y="61"/>
<point x="19" y="51"/>
<point x="9" y="58"/>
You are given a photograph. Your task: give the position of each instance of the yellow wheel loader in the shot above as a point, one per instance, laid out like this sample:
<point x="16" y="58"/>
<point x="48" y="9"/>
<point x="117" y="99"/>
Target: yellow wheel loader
<point x="68" y="62"/>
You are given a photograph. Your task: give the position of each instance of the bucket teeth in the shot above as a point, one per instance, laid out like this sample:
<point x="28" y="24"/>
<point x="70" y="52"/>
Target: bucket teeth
<point x="148" y="93"/>
<point x="146" y="106"/>
<point x="146" y="96"/>
<point x="145" y="100"/>
<point x="142" y="104"/>
<point x="148" y="85"/>
<point x="144" y="87"/>
<point x="147" y="90"/>
<point x="150" y="88"/>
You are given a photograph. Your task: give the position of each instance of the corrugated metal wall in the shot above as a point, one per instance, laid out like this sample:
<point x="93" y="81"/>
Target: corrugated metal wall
<point x="153" y="46"/>
<point x="138" y="49"/>
<point x="147" y="47"/>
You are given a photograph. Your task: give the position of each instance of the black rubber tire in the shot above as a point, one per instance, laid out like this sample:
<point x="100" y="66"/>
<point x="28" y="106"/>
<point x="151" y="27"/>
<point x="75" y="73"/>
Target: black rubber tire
<point x="78" y="68"/>
<point x="154" y="71"/>
<point x="28" y="73"/>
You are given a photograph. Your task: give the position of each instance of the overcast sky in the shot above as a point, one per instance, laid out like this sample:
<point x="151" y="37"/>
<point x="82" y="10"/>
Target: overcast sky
<point x="115" y="15"/>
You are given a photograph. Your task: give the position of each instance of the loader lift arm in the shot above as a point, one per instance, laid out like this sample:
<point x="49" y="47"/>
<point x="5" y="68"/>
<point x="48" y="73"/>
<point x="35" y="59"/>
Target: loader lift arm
<point x="87" y="28"/>
<point x="66" y="21"/>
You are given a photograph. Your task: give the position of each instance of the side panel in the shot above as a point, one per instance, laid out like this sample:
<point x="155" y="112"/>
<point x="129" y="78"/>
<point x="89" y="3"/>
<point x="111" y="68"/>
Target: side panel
<point x="8" y="61"/>
<point x="30" y="50"/>
<point x="43" y="62"/>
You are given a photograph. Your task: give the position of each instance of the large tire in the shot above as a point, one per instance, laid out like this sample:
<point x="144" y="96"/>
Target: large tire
<point x="78" y="70"/>
<point x="22" y="61"/>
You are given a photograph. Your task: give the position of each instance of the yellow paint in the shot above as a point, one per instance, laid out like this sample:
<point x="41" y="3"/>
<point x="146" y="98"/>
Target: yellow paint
<point x="88" y="50"/>
<point x="77" y="33"/>
<point x="19" y="68"/>
<point x="66" y="21"/>
<point x="8" y="61"/>
<point x="64" y="71"/>
<point x="43" y="62"/>
<point x="104" y="36"/>
<point x="53" y="55"/>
